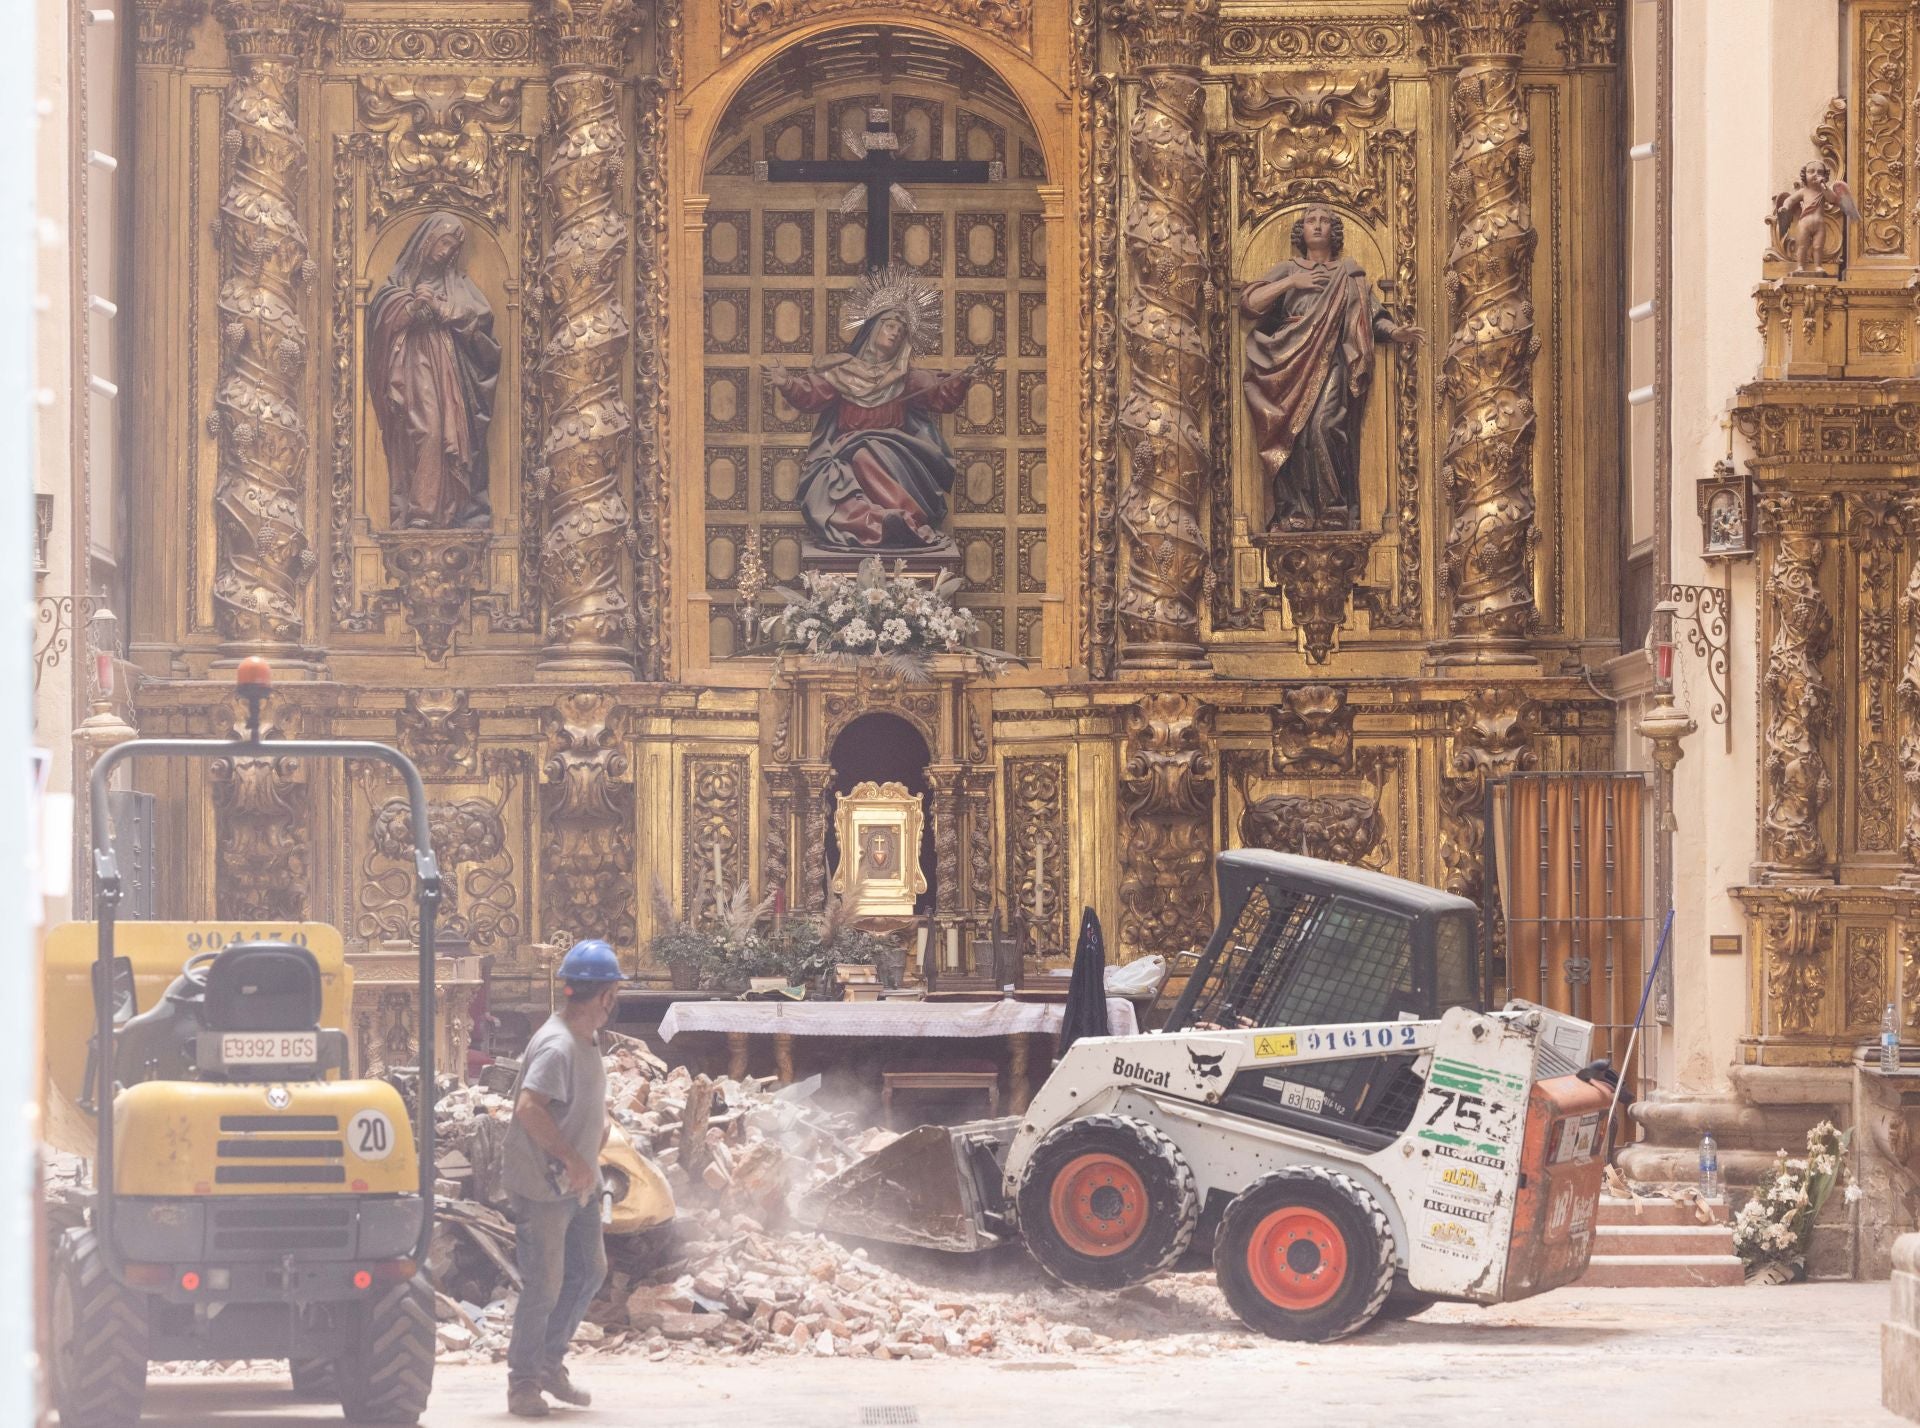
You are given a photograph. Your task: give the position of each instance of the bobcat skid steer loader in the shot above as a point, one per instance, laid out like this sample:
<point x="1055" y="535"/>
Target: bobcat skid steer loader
<point x="1415" y="1147"/>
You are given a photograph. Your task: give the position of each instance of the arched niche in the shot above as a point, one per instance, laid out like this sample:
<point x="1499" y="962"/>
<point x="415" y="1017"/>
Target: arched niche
<point x="773" y="263"/>
<point x="1269" y="244"/>
<point x="489" y="268"/>
<point x="884" y="747"/>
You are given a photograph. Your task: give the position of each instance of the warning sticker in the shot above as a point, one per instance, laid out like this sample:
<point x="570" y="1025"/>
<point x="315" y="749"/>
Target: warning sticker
<point x="1264" y="1046"/>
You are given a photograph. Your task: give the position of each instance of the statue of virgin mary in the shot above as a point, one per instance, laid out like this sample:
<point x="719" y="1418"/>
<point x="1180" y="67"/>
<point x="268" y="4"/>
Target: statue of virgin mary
<point x="878" y="471"/>
<point x="432" y="363"/>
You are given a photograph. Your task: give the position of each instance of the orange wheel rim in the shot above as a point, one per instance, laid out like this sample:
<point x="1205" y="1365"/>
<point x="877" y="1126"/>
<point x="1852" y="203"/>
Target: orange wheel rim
<point x="1099" y="1205"/>
<point x="1297" y="1258"/>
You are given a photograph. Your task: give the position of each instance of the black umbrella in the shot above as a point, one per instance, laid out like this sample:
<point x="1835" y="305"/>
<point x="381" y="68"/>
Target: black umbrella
<point x="1085" y="1013"/>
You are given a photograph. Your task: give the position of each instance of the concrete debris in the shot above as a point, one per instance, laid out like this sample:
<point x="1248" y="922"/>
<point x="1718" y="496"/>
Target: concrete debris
<point x="731" y="1276"/>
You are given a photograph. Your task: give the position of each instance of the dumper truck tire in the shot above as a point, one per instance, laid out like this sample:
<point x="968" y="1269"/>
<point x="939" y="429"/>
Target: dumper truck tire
<point x="312" y="1378"/>
<point x="1304" y="1253"/>
<point x="1106" y="1201"/>
<point x="99" y="1335"/>
<point x="385" y="1373"/>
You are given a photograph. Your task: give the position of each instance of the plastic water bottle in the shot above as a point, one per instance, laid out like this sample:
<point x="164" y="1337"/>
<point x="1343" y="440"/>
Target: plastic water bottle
<point x="1709" y="1167"/>
<point x="1889" y="1042"/>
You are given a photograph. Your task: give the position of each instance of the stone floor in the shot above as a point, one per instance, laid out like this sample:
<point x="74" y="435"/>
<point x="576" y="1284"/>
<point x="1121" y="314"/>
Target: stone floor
<point x="1806" y="1355"/>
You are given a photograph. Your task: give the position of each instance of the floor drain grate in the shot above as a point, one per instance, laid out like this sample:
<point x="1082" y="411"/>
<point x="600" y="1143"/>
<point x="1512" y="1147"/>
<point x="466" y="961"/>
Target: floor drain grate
<point x="888" y="1414"/>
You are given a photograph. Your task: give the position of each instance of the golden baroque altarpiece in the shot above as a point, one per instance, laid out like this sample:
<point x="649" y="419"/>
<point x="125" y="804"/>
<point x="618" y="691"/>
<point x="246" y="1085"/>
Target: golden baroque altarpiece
<point x="1833" y="422"/>
<point x="567" y="662"/>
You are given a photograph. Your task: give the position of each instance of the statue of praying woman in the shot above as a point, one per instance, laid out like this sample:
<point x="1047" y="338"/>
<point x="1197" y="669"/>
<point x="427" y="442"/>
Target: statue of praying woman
<point x="432" y="364"/>
<point x="1309" y="368"/>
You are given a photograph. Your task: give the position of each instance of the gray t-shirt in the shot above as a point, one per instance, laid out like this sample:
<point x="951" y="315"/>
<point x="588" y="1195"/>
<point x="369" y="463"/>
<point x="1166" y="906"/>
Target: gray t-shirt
<point x="570" y="1073"/>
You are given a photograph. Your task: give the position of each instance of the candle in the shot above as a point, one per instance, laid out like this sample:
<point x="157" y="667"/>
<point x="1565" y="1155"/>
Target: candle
<point x="920" y="947"/>
<point x="1039" y="875"/>
<point x="719" y="871"/>
<point x="953" y="947"/>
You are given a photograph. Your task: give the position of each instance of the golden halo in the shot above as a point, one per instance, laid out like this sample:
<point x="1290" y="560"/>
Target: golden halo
<point x="900" y="290"/>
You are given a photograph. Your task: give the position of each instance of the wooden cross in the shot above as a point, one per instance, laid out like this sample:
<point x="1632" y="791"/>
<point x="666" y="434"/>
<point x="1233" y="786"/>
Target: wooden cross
<point x="879" y="173"/>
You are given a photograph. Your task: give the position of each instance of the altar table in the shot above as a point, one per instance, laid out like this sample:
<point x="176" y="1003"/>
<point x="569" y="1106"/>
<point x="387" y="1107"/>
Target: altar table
<point x="872" y="1021"/>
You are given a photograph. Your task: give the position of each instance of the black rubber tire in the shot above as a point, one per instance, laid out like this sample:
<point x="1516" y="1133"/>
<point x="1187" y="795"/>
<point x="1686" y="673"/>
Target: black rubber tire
<point x="1405" y="1303"/>
<point x="1171" y="1211"/>
<point x="1368" y="1243"/>
<point x="98" y="1339"/>
<point x="385" y="1374"/>
<point x="312" y="1378"/>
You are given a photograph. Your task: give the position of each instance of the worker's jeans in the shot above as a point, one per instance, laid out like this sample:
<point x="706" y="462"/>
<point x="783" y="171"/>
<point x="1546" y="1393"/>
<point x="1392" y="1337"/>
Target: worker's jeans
<point x="563" y="1262"/>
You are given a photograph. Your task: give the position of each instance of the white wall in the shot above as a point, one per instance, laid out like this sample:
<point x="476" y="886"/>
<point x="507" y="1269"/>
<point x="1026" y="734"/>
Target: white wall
<point x="1751" y="79"/>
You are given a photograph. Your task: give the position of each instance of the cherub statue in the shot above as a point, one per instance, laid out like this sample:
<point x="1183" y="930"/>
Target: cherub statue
<point x="1803" y="217"/>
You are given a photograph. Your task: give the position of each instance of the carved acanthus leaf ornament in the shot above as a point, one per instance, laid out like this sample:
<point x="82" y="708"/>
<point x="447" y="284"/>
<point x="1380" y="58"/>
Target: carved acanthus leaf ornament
<point x="1797" y="709"/>
<point x="439" y="139"/>
<point x="1312" y="141"/>
<point x="436" y="574"/>
<point x="587" y="857"/>
<point x="1166" y="845"/>
<point x="1799" y="931"/>
<point x="440" y="732"/>
<point x="165" y="29"/>
<point x="1907" y="698"/>
<point x="1158" y="33"/>
<point x="262" y="817"/>
<point x="1338" y="827"/>
<point x="745" y="21"/>
<point x="1492" y="735"/>
<point x="1312" y="729"/>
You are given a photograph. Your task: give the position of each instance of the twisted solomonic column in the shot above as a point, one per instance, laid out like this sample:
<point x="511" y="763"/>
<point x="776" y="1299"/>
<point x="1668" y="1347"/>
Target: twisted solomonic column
<point x="259" y="418"/>
<point x="1487" y="376"/>
<point x="1165" y="557"/>
<point x="583" y="550"/>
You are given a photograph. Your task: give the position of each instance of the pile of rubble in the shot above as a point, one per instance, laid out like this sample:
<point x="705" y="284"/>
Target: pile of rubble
<point x="730" y="1275"/>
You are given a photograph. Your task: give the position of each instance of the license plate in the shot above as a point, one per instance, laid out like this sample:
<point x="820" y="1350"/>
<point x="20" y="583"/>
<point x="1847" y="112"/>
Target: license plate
<point x="269" y="1048"/>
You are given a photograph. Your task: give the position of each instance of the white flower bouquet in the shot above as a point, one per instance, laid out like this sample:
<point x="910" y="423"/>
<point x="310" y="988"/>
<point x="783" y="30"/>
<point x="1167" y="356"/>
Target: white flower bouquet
<point x="877" y="613"/>
<point x="1771" y="1232"/>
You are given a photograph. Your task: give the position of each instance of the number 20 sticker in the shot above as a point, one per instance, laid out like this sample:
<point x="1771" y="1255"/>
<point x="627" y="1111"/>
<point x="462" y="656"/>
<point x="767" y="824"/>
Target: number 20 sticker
<point x="370" y="1135"/>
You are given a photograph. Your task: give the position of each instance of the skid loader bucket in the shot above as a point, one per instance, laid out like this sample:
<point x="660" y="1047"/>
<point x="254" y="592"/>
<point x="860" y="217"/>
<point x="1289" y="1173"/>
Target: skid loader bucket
<point x="936" y="1187"/>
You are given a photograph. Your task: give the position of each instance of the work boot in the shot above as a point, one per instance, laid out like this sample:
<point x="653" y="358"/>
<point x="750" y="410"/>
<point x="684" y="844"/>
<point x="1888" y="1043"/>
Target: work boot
<point x="524" y="1399"/>
<point x="557" y="1383"/>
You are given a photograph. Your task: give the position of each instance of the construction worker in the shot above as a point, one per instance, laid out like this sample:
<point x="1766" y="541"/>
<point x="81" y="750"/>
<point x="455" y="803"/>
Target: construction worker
<point x="552" y="1172"/>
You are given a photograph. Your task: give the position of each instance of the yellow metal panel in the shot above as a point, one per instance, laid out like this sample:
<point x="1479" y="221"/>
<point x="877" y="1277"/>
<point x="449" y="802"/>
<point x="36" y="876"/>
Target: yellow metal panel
<point x="158" y="950"/>
<point x="168" y="1134"/>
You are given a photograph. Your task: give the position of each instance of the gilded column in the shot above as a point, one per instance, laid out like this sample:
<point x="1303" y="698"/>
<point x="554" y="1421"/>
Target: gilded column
<point x="583" y="549"/>
<point x="259" y="408"/>
<point x="1487" y="375"/>
<point x="1796" y="696"/>
<point x="1168" y="374"/>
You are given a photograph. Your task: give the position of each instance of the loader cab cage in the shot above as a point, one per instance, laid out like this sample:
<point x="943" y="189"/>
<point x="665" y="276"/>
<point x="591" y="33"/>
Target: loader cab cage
<point x="1302" y="941"/>
<point x="253" y="682"/>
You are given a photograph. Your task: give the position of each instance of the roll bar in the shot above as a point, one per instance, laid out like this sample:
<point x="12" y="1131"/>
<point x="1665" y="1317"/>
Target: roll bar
<point x="253" y="681"/>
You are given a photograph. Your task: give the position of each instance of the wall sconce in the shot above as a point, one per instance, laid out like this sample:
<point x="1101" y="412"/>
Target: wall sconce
<point x="103" y="727"/>
<point x="1726" y="512"/>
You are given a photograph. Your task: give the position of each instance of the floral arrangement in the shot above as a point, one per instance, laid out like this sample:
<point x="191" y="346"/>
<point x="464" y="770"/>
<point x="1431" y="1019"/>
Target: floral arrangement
<point x="876" y="613"/>
<point x="731" y="939"/>
<point x="1771" y="1232"/>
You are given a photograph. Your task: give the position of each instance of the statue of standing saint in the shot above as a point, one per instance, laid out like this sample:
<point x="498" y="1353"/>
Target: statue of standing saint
<point x="878" y="471"/>
<point x="432" y="364"/>
<point x="1309" y="369"/>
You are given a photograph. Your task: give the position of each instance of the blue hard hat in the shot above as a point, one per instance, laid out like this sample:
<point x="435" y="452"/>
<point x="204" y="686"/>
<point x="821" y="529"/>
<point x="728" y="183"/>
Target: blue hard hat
<point x="590" y="960"/>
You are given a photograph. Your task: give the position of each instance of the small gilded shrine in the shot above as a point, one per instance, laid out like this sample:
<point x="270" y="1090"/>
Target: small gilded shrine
<point x="1246" y="366"/>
